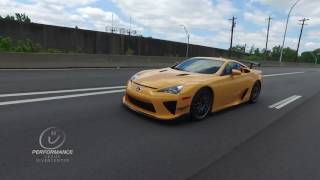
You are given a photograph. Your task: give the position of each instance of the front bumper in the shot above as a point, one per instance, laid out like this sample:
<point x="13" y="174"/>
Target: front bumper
<point x="154" y="104"/>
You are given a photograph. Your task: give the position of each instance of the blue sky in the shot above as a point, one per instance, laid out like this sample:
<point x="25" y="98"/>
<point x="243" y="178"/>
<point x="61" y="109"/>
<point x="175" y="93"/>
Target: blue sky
<point x="207" y="20"/>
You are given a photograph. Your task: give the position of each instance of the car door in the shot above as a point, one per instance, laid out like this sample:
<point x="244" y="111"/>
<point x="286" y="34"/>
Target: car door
<point x="232" y="88"/>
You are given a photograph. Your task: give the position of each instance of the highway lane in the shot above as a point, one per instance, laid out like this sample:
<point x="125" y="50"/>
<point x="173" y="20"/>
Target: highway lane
<point x="111" y="142"/>
<point x="289" y="149"/>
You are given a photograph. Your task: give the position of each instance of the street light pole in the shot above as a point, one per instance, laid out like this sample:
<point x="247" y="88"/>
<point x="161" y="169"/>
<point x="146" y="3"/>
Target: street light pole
<point x="285" y="32"/>
<point x="188" y="39"/>
<point x="315" y="57"/>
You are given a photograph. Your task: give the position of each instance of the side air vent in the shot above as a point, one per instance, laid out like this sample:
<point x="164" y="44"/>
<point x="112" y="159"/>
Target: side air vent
<point x="245" y="93"/>
<point x="183" y="74"/>
<point x="163" y="70"/>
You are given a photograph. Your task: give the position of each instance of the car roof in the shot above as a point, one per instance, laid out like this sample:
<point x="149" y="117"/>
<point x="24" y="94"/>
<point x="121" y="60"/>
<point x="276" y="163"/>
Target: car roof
<point x="217" y="58"/>
<point x="222" y="59"/>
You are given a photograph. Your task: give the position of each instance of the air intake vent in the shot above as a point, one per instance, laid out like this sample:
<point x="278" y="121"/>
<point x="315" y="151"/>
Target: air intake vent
<point x="163" y="70"/>
<point x="183" y="74"/>
<point x="143" y="105"/>
<point x="171" y="106"/>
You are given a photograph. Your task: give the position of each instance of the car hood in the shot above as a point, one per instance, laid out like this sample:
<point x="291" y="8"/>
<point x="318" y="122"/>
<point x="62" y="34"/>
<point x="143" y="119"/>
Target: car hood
<point x="168" y="77"/>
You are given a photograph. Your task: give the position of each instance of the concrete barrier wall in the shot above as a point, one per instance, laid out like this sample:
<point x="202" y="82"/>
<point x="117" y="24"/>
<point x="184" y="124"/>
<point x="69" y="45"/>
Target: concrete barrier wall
<point x="39" y="60"/>
<point x="94" y="42"/>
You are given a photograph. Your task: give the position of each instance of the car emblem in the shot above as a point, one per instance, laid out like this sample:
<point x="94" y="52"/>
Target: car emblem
<point x="138" y="89"/>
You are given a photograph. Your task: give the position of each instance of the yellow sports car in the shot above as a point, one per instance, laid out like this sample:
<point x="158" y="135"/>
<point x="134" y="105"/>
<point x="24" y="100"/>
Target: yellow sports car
<point x="195" y="87"/>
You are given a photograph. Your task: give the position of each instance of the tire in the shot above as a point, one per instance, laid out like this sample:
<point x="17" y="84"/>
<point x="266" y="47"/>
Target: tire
<point x="255" y="92"/>
<point x="201" y="104"/>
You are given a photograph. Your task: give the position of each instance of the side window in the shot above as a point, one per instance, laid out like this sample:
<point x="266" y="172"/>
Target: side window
<point x="227" y="70"/>
<point x="229" y="67"/>
<point x="236" y="66"/>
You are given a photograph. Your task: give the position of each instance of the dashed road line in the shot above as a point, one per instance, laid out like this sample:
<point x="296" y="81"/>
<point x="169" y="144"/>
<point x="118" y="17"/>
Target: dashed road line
<point x="285" y="102"/>
<point x="282" y="74"/>
<point x="60" y="91"/>
<point x="59" y="97"/>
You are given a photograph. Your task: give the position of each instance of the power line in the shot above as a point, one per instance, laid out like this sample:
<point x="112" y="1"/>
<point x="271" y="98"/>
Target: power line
<point x="232" y="30"/>
<point x="302" y="27"/>
<point x="266" y="50"/>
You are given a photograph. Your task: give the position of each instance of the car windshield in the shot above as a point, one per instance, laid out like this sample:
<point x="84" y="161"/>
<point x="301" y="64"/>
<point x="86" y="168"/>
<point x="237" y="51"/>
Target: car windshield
<point x="200" y="65"/>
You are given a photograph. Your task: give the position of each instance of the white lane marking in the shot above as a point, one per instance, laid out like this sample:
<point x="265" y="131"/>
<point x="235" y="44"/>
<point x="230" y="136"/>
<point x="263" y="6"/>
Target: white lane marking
<point x="285" y="102"/>
<point x="59" y="97"/>
<point x="60" y="91"/>
<point x="282" y="74"/>
<point x="288" y="102"/>
<point x="72" y="69"/>
<point x="281" y="102"/>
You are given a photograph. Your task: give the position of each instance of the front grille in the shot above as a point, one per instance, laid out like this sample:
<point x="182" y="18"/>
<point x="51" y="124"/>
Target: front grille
<point x="141" y="104"/>
<point x="171" y="106"/>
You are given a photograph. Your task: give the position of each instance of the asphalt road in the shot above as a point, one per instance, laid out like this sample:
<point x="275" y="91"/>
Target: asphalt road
<point x="111" y="142"/>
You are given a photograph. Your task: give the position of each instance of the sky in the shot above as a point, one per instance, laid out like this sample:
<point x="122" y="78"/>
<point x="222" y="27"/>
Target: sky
<point x="206" y="20"/>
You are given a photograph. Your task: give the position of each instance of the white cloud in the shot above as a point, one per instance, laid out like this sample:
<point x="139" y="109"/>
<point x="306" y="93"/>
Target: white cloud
<point x="42" y="12"/>
<point x="312" y="45"/>
<point x="207" y="20"/>
<point x="68" y="13"/>
<point x="255" y="17"/>
<point x="165" y="16"/>
<point x="100" y="19"/>
<point x="69" y="3"/>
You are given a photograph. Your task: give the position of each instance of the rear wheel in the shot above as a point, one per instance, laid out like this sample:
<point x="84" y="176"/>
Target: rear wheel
<point x="255" y="92"/>
<point x="201" y="104"/>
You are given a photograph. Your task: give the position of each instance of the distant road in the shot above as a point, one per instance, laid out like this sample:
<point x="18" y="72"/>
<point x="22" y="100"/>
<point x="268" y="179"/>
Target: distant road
<point x="277" y="138"/>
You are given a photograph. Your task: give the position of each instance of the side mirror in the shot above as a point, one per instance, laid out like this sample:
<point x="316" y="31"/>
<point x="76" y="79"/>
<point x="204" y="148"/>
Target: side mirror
<point x="175" y="64"/>
<point x="236" y="72"/>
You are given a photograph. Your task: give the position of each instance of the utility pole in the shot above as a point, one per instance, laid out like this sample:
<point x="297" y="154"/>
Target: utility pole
<point x="266" y="50"/>
<point x="302" y="27"/>
<point x="232" y="30"/>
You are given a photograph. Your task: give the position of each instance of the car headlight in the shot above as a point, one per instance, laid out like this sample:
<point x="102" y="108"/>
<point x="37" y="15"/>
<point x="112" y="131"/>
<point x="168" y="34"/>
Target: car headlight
<point x="172" y="90"/>
<point x="134" y="77"/>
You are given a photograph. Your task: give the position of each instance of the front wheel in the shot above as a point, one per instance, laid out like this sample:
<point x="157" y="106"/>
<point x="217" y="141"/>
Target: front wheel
<point x="255" y="92"/>
<point x="201" y="104"/>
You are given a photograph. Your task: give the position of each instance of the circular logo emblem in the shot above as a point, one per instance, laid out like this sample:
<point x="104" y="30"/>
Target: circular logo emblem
<point x="52" y="138"/>
<point x="138" y="89"/>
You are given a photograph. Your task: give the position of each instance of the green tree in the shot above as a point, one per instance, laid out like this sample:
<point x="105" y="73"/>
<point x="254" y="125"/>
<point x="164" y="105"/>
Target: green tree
<point x="307" y="57"/>
<point x="5" y="44"/>
<point x="23" y="18"/>
<point x="251" y="51"/>
<point x="289" y="54"/>
<point x="9" y="18"/>
<point x="19" y="17"/>
<point x="27" y="46"/>
<point x="275" y="54"/>
<point x="257" y="52"/>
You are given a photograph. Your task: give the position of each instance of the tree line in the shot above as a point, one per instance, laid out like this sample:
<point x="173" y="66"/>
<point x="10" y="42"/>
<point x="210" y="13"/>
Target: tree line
<point x="22" y="18"/>
<point x="289" y="55"/>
